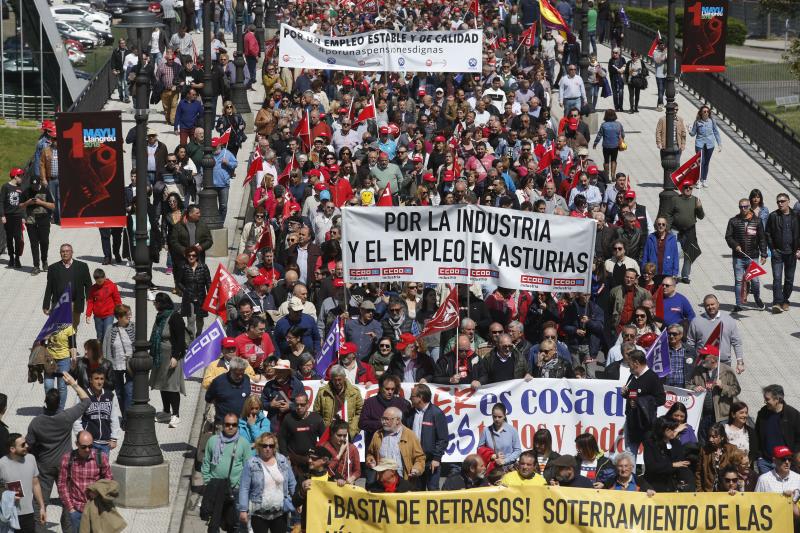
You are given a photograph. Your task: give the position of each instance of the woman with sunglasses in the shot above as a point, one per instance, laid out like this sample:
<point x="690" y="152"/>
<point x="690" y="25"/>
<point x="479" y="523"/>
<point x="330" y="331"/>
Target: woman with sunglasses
<point x="708" y="137"/>
<point x="266" y="488"/>
<point x="757" y="206"/>
<point x="382" y="355"/>
<point x="230" y="118"/>
<point x="194" y="282"/>
<point x="643" y="322"/>
<point x="253" y="231"/>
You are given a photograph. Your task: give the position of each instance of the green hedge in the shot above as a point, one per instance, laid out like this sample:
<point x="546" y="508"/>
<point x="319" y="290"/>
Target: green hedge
<point x="657" y="19"/>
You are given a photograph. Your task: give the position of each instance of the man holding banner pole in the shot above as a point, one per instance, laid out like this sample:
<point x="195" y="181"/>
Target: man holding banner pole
<point x="66" y="273"/>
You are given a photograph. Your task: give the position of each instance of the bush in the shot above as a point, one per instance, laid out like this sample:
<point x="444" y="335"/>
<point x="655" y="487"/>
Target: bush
<point x="657" y="19"/>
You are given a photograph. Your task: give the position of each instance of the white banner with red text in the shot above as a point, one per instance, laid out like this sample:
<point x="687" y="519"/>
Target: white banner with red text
<point x="567" y="407"/>
<point x="383" y="51"/>
<point x="468" y="244"/>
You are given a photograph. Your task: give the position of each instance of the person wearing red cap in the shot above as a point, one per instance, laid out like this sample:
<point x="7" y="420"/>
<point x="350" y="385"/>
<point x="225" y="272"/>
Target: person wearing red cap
<point x="11" y="210"/>
<point x="781" y="479"/>
<point x="386" y="143"/>
<point x="720" y="384"/>
<point x="339" y="188"/>
<point x="357" y="371"/>
<point x="221" y="365"/>
<point x="409" y="363"/>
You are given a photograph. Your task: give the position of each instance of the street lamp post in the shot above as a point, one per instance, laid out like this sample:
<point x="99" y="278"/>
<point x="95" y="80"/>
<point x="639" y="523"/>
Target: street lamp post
<point x="140" y="468"/>
<point x="258" y="11"/>
<point x="583" y="59"/>
<point x="238" y="89"/>
<point x="669" y="153"/>
<point x="271" y="18"/>
<point x="209" y="211"/>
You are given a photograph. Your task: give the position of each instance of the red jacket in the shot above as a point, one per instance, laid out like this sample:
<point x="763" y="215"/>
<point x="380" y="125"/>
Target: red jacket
<point x="341" y="192"/>
<point x="102" y="299"/>
<point x="251" y="45"/>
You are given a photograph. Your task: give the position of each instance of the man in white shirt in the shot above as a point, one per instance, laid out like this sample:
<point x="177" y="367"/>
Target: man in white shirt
<point x="781" y="479"/>
<point x="497" y="94"/>
<point x="571" y="92"/>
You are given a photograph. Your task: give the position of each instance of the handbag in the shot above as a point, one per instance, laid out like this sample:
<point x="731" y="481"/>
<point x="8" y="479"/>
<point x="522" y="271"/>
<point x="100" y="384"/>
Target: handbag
<point x="622" y="145"/>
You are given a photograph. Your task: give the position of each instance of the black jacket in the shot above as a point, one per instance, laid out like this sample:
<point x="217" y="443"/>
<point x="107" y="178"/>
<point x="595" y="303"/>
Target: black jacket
<point x="749" y="234"/>
<point x="58" y="276"/>
<point x="446" y="368"/>
<point x="774" y="232"/>
<point x="435" y="435"/>
<point x="424" y="368"/>
<point x="458" y="481"/>
<point x="789" y="424"/>
<point x="179" y="239"/>
<point x="81" y="373"/>
<point x="650" y="396"/>
<point x="118" y="58"/>
<point x="658" y="468"/>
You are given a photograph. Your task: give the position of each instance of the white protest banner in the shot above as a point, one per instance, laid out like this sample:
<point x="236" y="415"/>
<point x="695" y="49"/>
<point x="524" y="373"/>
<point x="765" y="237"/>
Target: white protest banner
<point x="383" y="50"/>
<point x="468" y="244"/>
<point x="567" y="407"/>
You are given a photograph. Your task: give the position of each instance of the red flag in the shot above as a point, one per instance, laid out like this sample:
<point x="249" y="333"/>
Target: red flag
<point x="223" y="288"/>
<point x="256" y="166"/>
<point x="446" y="317"/>
<point x="225" y="137"/>
<point x="269" y="48"/>
<point x="385" y="199"/>
<point x="659" y="297"/>
<point x="529" y="36"/>
<point x="654" y="45"/>
<point x="714" y="338"/>
<point x="283" y="179"/>
<point x="754" y="270"/>
<point x="264" y="241"/>
<point x="474" y="8"/>
<point x="689" y="171"/>
<point x="546" y="159"/>
<point x="290" y="205"/>
<point x="303" y="130"/>
<point x="367" y="113"/>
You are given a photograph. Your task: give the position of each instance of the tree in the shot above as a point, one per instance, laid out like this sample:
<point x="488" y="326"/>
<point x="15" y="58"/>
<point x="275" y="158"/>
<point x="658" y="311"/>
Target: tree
<point x="783" y="8"/>
<point x="792" y="55"/>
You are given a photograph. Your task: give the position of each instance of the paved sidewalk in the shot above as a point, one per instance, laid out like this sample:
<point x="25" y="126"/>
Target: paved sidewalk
<point x="769" y="341"/>
<point x="21" y="315"/>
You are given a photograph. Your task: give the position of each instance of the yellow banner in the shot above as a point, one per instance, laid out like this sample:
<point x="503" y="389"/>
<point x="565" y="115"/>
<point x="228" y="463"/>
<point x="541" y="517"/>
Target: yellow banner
<point x="554" y="510"/>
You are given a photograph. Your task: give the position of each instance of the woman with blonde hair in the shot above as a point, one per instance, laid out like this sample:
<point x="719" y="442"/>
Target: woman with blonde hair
<point x="253" y="421"/>
<point x="266" y="488"/>
<point x="230" y="118"/>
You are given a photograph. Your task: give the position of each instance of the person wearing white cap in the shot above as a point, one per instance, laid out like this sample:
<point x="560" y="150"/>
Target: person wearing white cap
<point x="387" y="479"/>
<point x="297" y="318"/>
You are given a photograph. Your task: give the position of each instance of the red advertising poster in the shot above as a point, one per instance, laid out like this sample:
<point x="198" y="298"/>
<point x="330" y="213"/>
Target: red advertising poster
<point x="705" y="24"/>
<point x="91" y="174"/>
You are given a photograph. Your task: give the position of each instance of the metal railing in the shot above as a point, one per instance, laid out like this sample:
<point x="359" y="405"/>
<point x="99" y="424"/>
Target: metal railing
<point x="764" y="82"/>
<point x="95" y="95"/>
<point x="26" y="107"/>
<point x="760" y="128"/>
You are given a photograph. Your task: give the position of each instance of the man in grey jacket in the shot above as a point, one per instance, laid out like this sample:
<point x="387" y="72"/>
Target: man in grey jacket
<point x="50" y="437"/>
<point x="701" y="331"/>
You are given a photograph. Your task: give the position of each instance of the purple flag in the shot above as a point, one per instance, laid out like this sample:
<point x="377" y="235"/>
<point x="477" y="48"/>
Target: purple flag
<point x="204" y="349"/>
<point x="60" y="316"/>
<point x="658" y="355"/>
<point x="330" y="348"/>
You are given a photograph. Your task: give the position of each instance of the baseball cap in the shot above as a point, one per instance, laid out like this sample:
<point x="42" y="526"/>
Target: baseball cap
<point x="319" y="186"/>
<point x="325" y="195"/>
<point x="348" y="348"/>
<point x="592" y="169"/>
<point x="417" y="158"/>
<point x="342" y="110"/>
<point x="384" y="130"/>
<point x="367" y="305"/>
<point x="347" y="81"/>
<point x="630" y="194"/>
<point x="151" y="131"/>
<point x="319" y="452"/>
<point x="439" y="90"/>
<point x="429" y="178"/>
<point x="16" y="171"/>
<point x="709" y="349"/>
<point x="228" y="342"/>
<point x="295" y="304"/>
<point x="259" y="280"/>
<point x="406" y="339"/>
<point x="439" y="139"/>
<point x="422" y="92"/>
<point x="779" y="452"/>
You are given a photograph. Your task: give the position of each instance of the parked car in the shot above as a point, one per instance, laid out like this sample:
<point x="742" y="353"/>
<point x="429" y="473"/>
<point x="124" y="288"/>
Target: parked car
<point x="155" y="7"/>
<point x="117" y="7"/>
<point x="72" y="43"/>
<point x="106" y="37"/>
<point x="76" y="57"/>
<point x="74" y="13"/>
<point x="88" y="39"/>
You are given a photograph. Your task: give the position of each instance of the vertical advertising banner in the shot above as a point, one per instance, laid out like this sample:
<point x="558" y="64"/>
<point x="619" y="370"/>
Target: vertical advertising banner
<point x="90" y="169"/>
<point x="705" y="28"/>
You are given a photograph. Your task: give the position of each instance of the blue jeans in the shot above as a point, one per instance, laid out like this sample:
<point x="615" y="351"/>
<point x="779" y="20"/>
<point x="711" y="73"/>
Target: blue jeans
<point x="55" y="192"/>
<point x="705" y="160"/>
<point x="429" y="480"/>
<point x="593" y="42"/>
<point x="739" y="268"/>
<point x="549" y="69"/>
<point x="122" y="85"/>
<point x="228" y="20"/>
<point x="570" y="103"/>
<point x="156" y="58"/>
<point x="198" y="18"/>
<point x="222" y="200"/>
<point x="101" y="325"/>
<point x="62" y="365"/>
<point x="105" y="448"/>
<point x="661" y="84"/>
<point x="783" y="266"/>
<point x="75" y="520"/>
<point x="123" y="389"/>
<point x="595" y="93"/>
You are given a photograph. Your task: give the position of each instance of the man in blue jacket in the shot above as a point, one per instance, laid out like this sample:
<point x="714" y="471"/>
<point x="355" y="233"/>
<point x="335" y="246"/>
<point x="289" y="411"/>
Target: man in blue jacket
<point x="224" y="168"/>
<point x="228" y="391"/>
<point x="297" y="319"/>
<point x="188" y="115"/>
<point x="429" y="424"/>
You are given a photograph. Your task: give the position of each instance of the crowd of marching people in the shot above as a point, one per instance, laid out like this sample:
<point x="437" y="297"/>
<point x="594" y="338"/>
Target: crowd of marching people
<point x="327" y="140"/>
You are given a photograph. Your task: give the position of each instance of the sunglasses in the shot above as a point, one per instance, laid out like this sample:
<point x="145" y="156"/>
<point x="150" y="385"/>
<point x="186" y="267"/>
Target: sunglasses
<point x="674" y="334"/>
<point x="231" y="425"/>
<point x="259" y="216"/>
<point x="744" y="206"/>
<point x="641" y="316"/>
<point x="384" y="346"/>
<point x="619" y="248"/>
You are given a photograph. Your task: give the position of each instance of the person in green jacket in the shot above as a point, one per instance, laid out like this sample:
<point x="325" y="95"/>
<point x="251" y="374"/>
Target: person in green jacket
<point x="591" y="26"/>
<point x="222" y="448"/>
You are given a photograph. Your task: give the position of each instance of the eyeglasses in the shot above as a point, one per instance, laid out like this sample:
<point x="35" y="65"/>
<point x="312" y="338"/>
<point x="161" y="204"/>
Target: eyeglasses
<point x="259" y="216"/>
<point x="192" y="255"/>
<point x="496" y="331"/>
<point x="674" y="334"/>
<point x="619" y="248"/>
<point x="271" y="446"/>
<point x="628" y="335"/>
<point x="298" y="404"/>
<point x="640" y="316"/>
<point x="745" y="206"/>
<point x="81" y="446"/>
<point x="231" y="425"/>
<point x="228" y="107"/>
<point x="668" y="284"/>
<point x="386" y="346"/>
<point x="782" y="201"/>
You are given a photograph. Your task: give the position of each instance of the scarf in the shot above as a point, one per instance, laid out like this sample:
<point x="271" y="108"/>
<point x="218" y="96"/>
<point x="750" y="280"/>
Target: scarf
<point x="391" y="486"/>
<point x="397" y="325"/>
<point x="155" y="339"/>
<point x="549" y="366"/>
<point x="221" y="442"/>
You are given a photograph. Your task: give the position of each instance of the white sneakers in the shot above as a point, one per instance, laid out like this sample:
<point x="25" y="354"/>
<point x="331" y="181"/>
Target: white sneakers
<point x="174" y="422"/>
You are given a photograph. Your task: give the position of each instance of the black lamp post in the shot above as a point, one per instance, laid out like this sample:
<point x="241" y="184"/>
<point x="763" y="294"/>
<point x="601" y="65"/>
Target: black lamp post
<point x="270" y="15"/>
<point x="258" y="11"/>
<point x="140" y="447"/>
<point x="209" y="211"/>
<point x="238" y="90"/>
<point x="669" y="154"/>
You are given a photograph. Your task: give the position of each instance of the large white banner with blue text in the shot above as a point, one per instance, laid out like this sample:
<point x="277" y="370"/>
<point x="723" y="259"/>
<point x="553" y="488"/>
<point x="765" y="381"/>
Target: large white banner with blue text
<point x="567" y="407"/>
<point x="383" y="51"/>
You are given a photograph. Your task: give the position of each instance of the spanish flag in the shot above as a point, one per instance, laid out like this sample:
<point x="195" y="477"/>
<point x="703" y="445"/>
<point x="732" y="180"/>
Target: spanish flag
<point x="551" y="18"/>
